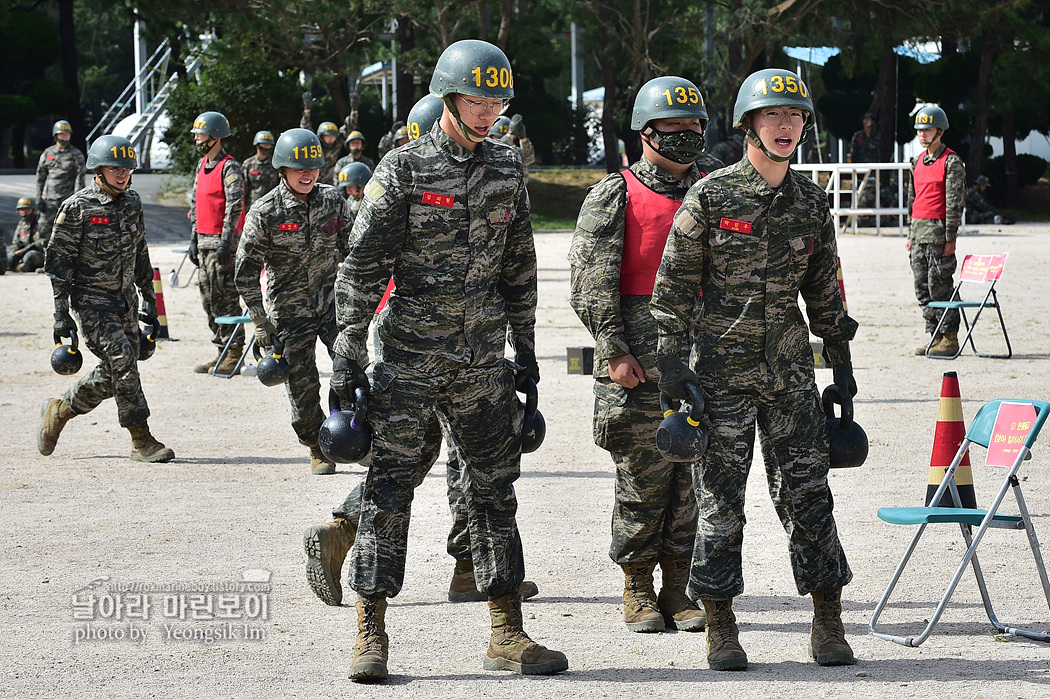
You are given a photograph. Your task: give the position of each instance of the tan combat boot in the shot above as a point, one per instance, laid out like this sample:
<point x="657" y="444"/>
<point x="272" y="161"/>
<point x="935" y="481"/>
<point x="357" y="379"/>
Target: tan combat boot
<point x="724" y="651"/>
<point x="464" y="587"/>
<point x="640" y="610"/>
<point x="921" y="350"/>
<point x="510" y="648"/>
<point x="946" y="346"/>
<point x="145" y="448"/>
<point x="229" y="362"/>
<point x="320" y="465"/>
<point x="678" y="610"/>
<point x="827" y="640"/>
<point x="56" y="413"/>
<point x="370" y="651"/>
<point x="326" y="546"/>
<point x="206" y="366"/>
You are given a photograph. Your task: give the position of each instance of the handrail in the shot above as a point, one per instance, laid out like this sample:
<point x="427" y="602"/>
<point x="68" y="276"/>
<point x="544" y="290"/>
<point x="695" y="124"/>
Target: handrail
<point x="106" y="123"/>
<point x="845" y="195"/>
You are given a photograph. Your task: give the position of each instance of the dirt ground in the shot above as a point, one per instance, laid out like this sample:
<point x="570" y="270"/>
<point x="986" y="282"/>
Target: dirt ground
<point x="89" y="524"/>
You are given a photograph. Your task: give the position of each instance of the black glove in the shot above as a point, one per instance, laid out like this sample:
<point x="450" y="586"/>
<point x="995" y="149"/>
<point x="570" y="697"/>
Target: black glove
<point x="347" y="375"/>
<point x="397" y="125"/>
<point x="843" y="377"/>
<point x="264" y="331"/>
<point x="222" y="253"/>
<point x="193" y="252"/>
<point x="517" y="126"/>
<point x="64" y="325"/>
<point x="308" y="100"/>
<point x="41" y="206"/>
<point x="673" y="374"/>
<point x="148" y="312"/>
<point x="529" y="369"/>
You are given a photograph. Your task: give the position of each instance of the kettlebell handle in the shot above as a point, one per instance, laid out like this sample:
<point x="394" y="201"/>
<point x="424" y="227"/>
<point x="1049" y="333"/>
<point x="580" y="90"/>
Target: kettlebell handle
<point x="532" y="397"/>
<point x="696" y="403"/>
<point x="73" y="342"/>
<point x="360" y="407"/>
<point x="833" y="394"/>
<point x="278" y="348"/>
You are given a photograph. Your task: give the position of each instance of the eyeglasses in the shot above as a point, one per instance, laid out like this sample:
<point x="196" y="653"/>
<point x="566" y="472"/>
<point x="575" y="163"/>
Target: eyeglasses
<point x="119" y="171"/>
<point x="479" y="107"/>
<point x="776" y="116"/>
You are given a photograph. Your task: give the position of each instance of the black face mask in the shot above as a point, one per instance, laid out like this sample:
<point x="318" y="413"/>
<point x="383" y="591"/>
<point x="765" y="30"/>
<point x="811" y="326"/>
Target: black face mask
<point x="682" y="147"/>
<point x="203" y="148"/>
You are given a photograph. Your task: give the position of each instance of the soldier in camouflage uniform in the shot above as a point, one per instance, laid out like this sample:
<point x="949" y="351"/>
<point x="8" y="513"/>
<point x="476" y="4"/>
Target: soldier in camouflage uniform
<point x="864" y="146"/>
<point x="936" y="193"/>
<point x="330" y="135"/>
<point x="260" y="176"/>
<point x="746" y="243"/>
<point x="28" y="252"/>
<point x="615" y="251"/>
<point x="978" y="210"/>
<point x="355" y="143"/>
<point x="727" y="151"/>
<point x="298" y="231"/>
<point x="351" y="181"/>
<point x="440" y="347"/>
<point x="392" y="139"/>
<point x="59" y="172"/>
<point x="217" y="217"/>
<point x="96" y="258"/>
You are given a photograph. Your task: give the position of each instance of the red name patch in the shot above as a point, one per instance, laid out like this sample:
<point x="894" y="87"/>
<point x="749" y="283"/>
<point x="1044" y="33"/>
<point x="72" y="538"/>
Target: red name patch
<point x="288" y="227"/>
<point x="734" y="225"/>
<point x="50" y="157"/>
<point x="102" y="220"/>
<point x="438" y="199"/>
<point x="253" y="172"/>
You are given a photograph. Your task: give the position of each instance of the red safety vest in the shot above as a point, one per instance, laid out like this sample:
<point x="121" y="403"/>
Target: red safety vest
<point x="930" y="186"/>
<point x="647" y="221"/>
<point x="211" y="200"/>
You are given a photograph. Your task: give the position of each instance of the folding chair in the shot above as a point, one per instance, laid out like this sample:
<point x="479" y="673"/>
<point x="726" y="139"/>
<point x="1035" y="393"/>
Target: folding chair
<point x="1008" y="446"/>
<point x="237" y="321"/>
<point x="976" y="269"/>
<point x="173" y="277"/>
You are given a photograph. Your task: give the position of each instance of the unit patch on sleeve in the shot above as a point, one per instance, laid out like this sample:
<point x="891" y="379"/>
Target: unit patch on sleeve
<point x="374" y="190"/>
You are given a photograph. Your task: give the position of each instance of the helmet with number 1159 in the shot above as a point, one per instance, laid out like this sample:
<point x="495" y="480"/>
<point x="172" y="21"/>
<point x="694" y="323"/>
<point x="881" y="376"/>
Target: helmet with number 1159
<point x="298" y="149"/>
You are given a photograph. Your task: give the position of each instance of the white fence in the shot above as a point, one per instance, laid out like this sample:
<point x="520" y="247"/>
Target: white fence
<point x="845" y="183"/>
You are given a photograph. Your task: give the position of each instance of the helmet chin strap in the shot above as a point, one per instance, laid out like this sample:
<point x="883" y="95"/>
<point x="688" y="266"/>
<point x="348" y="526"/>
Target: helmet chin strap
<point x="468" y="133"/>
<point x="749" y="133"/>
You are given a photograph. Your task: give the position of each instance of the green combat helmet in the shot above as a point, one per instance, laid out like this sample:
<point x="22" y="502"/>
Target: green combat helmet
<point x="671" y="97"/>
<point x="61" y="126"/>
<point x="213" y="124"/>
<point x="422" y="116"/>
<point x="476" y="69"/>
<point x="327" y="128"/>
<point x="354" y="136"/>
<point x="773" y="87"/>
<point x="111" y="151"/>
<point x="263" y="137"/>
<point x="931" y="117"/>
<point x="298" y="149"/>
<point x="501" y="128"/>
<point x="354" y="174"/>
<point x="27" y="203"/>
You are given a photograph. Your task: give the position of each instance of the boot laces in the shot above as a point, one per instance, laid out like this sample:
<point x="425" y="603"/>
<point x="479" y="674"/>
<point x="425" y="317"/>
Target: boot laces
<point x="829" y="613"/>
<point x="721" y="625"/>
<point x="370" y="627"/>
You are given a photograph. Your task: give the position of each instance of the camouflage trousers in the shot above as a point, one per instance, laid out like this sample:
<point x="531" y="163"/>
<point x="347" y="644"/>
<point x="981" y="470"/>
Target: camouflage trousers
<point x="933" y="282"/>
<point x="113" y="337"/>
<point x="219" y="297"/>
<point x="47" y="213"/>
<point x="793" y="433"/>
<point x="654" y="513"/>
<point x="459" y="536"/>
<point x="300" y="336"/>
<point x="484" y="420"/>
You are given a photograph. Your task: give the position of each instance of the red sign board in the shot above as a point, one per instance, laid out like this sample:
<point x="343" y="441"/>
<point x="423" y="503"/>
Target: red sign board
<point x="1013" y="422"/>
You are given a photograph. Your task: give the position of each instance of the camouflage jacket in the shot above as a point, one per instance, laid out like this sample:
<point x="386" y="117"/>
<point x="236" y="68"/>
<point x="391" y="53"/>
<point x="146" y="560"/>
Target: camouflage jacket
<point x="97" y="254"/>
<point x="864" y="149"/>
<point x="932" y="230"/>
<point x="25" y="236"/>
<point x="260" y="176"/>
<point x="300" y="243"/>
<point x="453" y="229"/>
<point x="976" y="203"/>
<point x="346" y="160"/>
<point x="597" y="251"/>
<point x="738" y="256"/>
<point x="59" y="173"/>
<point x="233" y="186"/>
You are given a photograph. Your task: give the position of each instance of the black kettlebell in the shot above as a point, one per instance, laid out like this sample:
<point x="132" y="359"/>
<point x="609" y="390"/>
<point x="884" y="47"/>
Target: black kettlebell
<point x="345" y="435"/>
<point x="682" y="436"/>
<point x="534" y="429"/>
<point x="148" y="341"/>
<point x="66" y="359"/>
<point x="847" y="441"/>
<point x="272" y="369"/>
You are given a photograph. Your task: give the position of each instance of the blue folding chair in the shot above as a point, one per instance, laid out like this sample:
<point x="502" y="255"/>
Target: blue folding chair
<point x="237" y="322"/>
<point x="982" y="431"/>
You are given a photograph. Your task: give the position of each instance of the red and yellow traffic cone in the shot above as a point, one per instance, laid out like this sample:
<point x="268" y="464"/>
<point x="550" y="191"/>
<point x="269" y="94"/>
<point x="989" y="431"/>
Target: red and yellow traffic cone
<point x="951" y="430"/>
<point x="162" y="316"/>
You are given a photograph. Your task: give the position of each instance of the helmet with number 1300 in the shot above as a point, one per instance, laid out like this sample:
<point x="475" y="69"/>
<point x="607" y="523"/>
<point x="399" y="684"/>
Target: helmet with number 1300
<point x="671" y="97"/>
<point x="773" y="87"/>
<point x="298" y="149"/>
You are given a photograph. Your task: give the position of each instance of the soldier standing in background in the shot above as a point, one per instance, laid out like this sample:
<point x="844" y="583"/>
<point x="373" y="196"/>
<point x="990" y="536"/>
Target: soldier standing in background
<point x="351" y="181"/>
<point x="936" y="194"/>
<point x="260" y="176"/>
<point x="217" y="217"/>
<point x="298" y="232"/>
<point x="448" y="216"/>
<point x="329" y="135"/>
<point x="28" y="252"/>
<point x="59" y="172"/>
<point x="615" y="252"/>
<point x="96" y="258"/>
<point x="355" y="143"/>
<point x="389" y="140"/>
<point x="746" y="243"/>
<point x="864" y="146"/>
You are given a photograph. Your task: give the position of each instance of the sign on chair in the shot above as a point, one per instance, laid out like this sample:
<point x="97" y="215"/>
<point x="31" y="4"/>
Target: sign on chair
<point x="1013" y="423"/>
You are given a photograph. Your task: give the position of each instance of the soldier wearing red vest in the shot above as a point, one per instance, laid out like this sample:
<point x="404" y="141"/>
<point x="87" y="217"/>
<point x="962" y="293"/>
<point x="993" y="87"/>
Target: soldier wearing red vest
<point x="936" y="195"/>
<point x="217" y="216"/>
<point x="616" y="250"/>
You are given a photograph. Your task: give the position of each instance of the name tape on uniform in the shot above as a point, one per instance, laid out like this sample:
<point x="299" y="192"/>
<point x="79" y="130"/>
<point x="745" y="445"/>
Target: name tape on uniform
<point x="730" y="224"/>
<point x="444" y="200"/>
<point x="101" y="220"/>
<point x="288" y="227"/>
